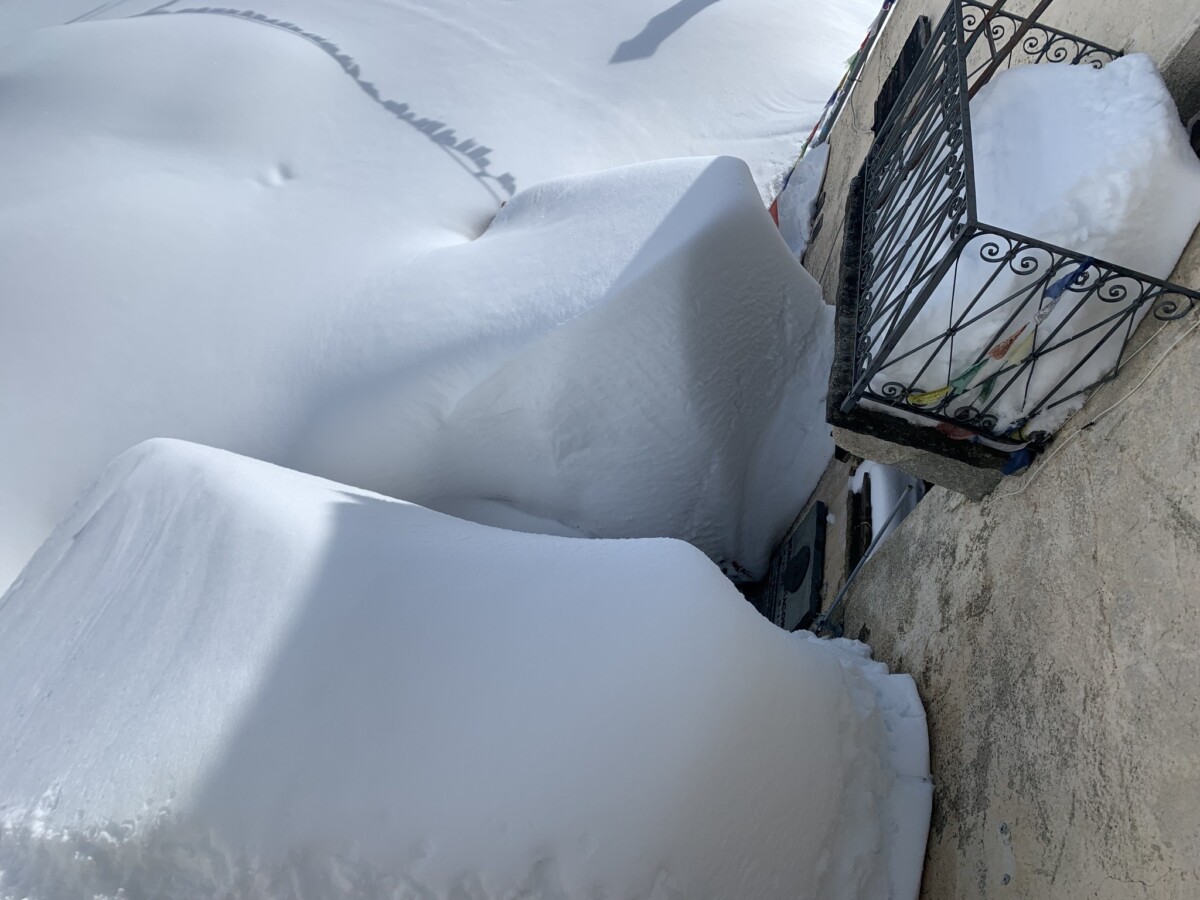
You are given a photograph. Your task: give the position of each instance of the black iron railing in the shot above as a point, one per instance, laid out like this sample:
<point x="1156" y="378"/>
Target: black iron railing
<point x="988" y="34"/>
<point x="1022" y="326"/>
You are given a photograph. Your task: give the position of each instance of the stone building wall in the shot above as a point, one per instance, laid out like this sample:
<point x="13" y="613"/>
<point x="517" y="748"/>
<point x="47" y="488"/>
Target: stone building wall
<point x="1054" y="628"/>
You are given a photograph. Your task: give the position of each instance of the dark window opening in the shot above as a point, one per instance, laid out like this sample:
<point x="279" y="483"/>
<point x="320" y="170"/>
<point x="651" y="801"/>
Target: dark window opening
<point x="913" y="48"/>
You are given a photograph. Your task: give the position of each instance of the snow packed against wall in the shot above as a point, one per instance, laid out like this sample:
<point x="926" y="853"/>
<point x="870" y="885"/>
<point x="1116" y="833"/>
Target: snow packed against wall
<point x="893" y="495"/>
<point x="1092" y="160"/>
<point x="349" y="695"/>
<point x="259" y="228"/>
<point x="798" y="199"/>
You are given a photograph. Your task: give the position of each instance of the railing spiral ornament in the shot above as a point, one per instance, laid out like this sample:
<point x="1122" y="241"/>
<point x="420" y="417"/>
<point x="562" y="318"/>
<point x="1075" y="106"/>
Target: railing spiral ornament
<point x="1169" y="306"/>
<point x="1094" y="58"/>
<point x="992" y="251"/>
<point x="1025" y="326"/>
<point x="1026" y="261"/>
<point x="972" y="416"/>
<point x="1114" y="287"/>
<point x="1084" y="282"/>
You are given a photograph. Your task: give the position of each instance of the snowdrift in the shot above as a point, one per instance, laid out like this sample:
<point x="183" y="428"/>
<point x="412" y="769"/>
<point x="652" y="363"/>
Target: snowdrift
<point x="1092" y="160"/>
<point x="279" y="256"/>
<point x="224" y="678"/>
<point x="798" y="200"/>
<point x="658" y="371"/>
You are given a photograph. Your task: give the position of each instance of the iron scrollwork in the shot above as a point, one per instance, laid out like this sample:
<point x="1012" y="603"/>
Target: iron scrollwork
<point x="1014" y="301"/>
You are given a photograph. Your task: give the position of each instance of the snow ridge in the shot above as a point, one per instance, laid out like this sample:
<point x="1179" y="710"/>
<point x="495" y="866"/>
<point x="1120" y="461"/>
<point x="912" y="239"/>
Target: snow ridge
<point x="350" y="694"/>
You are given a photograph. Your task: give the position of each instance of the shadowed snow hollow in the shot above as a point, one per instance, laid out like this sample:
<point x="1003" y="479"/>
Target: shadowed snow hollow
<point x="346" y="695"/>
<point x="217" y="228"/>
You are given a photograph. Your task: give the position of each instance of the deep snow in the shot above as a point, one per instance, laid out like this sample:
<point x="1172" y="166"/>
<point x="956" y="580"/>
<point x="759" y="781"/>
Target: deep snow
<point x="278" y="231"/>
<point x="1092" y="160"/>
<point x="347" y="695"/>
<point x="798" y="199"/>
<point x="259" y="232"/>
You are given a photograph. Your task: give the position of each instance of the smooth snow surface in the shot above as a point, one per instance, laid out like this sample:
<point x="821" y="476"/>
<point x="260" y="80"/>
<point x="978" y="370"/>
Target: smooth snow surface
<point x="1093" y="160"/>
<point x="797" y="201"/>
<point x="657" y="371"/>
<point x="256" y="228"/>
<point x="344" y="695"/>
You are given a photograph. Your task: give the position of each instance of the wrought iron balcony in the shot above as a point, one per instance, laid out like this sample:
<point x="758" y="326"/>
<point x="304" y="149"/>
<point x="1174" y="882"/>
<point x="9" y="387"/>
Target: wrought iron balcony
<point x="1032" y="326"/>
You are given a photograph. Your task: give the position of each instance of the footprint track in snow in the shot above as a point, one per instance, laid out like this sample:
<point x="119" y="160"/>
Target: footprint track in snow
<point x="277" y="176"/>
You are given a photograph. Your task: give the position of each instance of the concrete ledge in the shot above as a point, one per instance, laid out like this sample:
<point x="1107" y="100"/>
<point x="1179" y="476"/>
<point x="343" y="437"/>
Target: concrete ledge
<point x="956" y="476"/>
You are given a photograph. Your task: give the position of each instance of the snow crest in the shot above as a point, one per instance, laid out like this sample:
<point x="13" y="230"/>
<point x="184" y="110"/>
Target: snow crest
<point x="354" y="694"/>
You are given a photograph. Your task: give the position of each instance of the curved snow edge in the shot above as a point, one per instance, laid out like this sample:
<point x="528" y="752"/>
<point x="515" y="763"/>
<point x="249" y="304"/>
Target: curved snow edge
<point x="907" y="800"/>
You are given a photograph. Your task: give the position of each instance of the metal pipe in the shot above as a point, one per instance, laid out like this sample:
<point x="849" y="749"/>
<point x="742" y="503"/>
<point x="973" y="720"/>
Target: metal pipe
<point x="823" y="620"/>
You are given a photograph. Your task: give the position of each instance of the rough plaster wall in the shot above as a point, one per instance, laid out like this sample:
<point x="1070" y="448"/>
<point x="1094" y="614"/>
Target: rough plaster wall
<point x="1055" y="638"/>
<point x="1160" y="28"/>
<point x="1167" y="30"/>
<point x="1055" y="633"/>
<point x="1183" y="75"/>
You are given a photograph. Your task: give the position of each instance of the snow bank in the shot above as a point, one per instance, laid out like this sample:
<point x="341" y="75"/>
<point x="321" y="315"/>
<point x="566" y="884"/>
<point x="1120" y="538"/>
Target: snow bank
<point x="1116" y="178"/>
<point x="656" y="372"/>
<point x="799" y="197"/>
<point x="278" y="257"/>
<point x="1093" y="160"/>
<point x="224" y="678"/>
